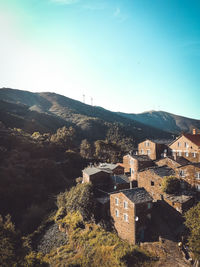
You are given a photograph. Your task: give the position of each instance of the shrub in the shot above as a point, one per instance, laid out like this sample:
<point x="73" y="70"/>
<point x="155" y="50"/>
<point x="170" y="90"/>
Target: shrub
<point x="79" y="198"/>
<point x="192" y="217"/>
<point x="90" y="245"/>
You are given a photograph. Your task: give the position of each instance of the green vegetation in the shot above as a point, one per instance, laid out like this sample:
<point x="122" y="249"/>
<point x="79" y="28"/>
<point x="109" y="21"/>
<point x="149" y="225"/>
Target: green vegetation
<point x="170" y="185"/>
<point x="33" y="169"/>
<point x="107" y="151"/>
<point x="193" y="223"/>
<point x="86" y="149"/>
<point x="90" y="245"/>
<point x="79" y="198"/>
<point x="13" y="250"/>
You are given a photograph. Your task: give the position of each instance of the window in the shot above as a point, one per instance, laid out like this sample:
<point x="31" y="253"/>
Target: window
<point x="148" y="151"/>
<point x="132" y="171"/>
<point x="179" y="144"/>
<point x="179" y="153"/>
<point x="186" y="145"/>
<point x="152" y="183"/>
<point x="182" y="173"/>
<point x="125" y="205"/>
<point x="198" y="175"/>
<point x="142" y="151"/>
<point x="125" y="217"/>
<point x="117" y="213"/>
<point x="198" y="187"/>
<point x="186" y="153"/>
<point x="147" y="143"/>
<point x="116" y="201"/>
<point x="194" y="154"/>
<point x="149" y="205"/>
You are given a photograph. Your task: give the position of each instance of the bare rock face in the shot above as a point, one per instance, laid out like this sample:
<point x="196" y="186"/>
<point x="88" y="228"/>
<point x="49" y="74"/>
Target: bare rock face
<point x="52" y="238"/>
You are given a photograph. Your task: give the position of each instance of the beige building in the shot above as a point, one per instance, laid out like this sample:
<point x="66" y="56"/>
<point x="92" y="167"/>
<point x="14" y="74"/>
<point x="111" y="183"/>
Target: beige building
<point x="187" y="146"/>
<point x="155" y="149"/>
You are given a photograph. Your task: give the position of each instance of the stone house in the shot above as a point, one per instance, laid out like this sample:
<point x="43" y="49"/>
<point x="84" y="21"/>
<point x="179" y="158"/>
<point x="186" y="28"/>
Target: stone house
<point x="96" y="176"/>
<point x="151" y="179"/>
<point x="120" y="182"/>
<point x="190" y="173"/>
<point x="138" y="163"/>
<point x="117" y="169"/>
<point x="126" y="163"/>
<point x="134" y="163"/>
<point x="155" y="149"/>
<point x="187" y="171"/>
<point x="181" y="203"/>
<point x="130" y="210"/>
<point x="187" y="146"/>
<point x="172" y="162"/>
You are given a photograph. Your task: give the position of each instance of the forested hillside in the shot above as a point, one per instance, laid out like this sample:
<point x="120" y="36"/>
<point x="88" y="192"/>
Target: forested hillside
<point x="45" y="112"/>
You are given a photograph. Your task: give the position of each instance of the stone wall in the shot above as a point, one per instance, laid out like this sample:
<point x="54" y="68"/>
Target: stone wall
<point x="190" y="174"/>
<point x="152" y="183"/>
<point x="126" y="163"/>
<point x="125" y="230"/>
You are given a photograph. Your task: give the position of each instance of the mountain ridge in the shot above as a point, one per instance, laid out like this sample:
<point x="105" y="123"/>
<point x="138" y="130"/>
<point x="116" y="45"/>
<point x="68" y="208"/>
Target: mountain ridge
<point x="165" y="120"/>
<point x="46" y="111"/>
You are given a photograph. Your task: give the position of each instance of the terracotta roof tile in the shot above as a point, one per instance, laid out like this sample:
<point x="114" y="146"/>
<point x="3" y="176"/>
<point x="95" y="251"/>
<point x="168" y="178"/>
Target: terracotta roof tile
<point x="195" y="138"/>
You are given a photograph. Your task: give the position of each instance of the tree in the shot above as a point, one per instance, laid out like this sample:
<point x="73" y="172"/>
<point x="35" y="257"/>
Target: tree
<point x="170" y="184"/>
<point x="11" y="245"/>
<point x="192" y="221"/>
<point x="107" y="151"/>
<point x="65" y="137"/>
<point x="85" y="149"/>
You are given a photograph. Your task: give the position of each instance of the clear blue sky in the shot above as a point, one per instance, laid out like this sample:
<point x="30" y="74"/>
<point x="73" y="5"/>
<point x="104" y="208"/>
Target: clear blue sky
<point x="129" y="55"/>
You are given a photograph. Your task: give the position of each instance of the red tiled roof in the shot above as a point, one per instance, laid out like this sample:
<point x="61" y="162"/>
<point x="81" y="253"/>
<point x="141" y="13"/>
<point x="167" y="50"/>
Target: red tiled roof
<point x="195" y="138"/>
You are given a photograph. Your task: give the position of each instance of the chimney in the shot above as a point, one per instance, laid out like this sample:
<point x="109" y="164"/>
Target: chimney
<point x="194" y="131"/>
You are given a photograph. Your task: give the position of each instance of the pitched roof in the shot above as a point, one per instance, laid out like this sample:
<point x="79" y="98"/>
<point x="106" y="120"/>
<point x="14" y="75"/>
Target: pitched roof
<point x="195" y="164"/>
<point x="162" y="171"/>
<point x="161" y="141"/>
<point x="92" y="170"/>
<point x="107" y="166"/>
<point x="179" y="160"/>
<point x="120" y="179"/>
<point x="141" y="157"/>
<point x="103" y="199"/>
<point x="194" y="138"/>
<point x="136" y="195"/>
<point x="178" y="198"/>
